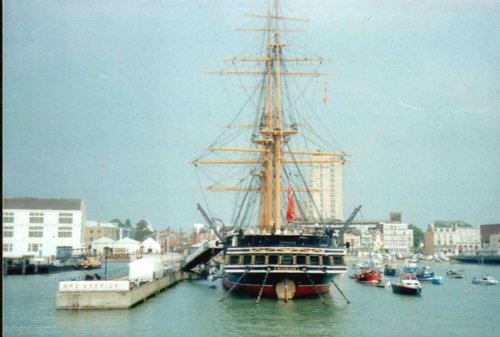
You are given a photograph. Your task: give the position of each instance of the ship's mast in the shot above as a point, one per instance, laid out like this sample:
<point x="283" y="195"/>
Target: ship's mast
<point x="273" y="133"/>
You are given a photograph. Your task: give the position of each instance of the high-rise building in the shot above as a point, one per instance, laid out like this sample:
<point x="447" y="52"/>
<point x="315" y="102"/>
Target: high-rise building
<point x="328" y="200"/>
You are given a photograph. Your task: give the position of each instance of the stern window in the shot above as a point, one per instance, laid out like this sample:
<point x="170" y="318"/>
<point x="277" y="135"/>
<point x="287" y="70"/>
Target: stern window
<point x="273" y="259"/>
<point x="260" y="259"/>
<point x="326" y="261"/>
<point x="287" y="259"/>
<point x="301" y="259"/>
<point x="247" y="259"/>
<point x="314" y="260"/>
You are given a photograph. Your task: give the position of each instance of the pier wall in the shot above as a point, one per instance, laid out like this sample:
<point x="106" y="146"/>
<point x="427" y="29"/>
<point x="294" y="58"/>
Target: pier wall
<point x="115" y="299"/>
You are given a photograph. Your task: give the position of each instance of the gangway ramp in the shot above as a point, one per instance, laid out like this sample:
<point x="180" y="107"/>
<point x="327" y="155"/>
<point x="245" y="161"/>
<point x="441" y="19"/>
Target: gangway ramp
<point x="202" y="254"/>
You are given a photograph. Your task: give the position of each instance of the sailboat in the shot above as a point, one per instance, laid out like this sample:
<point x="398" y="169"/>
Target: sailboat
<point x="281" y="242"/>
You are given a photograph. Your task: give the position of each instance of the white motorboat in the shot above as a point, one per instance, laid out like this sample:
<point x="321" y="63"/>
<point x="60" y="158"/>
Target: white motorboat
<point x="485" y="279"/>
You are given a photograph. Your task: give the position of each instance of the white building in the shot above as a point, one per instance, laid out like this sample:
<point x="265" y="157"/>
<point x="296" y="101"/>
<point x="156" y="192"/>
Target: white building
<point x="127" y="246"/>
<point x="42" y="227"/>
<point x="327" y="179"/>
<point x="98" y="245"/>
<point x="397" y="238"/>
<point x="449" y="238"/>
<point x="150" y="246"/>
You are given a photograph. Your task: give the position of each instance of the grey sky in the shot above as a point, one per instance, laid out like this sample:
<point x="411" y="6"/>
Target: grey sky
<point x="109" y="101"/>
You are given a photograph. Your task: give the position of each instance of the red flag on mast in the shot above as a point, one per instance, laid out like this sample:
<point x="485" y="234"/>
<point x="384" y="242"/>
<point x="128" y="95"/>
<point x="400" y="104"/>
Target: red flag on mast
<point x="290" y="211"/>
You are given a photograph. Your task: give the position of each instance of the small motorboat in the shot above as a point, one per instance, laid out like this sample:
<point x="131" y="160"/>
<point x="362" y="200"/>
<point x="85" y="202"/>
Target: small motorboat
<point x="455" y="273"/>
<point x="408" y="285"/>
<point x="485" y="280"/>
<point x="437" y="280"/>
<point x="425" y="274"/>
<point x="383" y="283"/>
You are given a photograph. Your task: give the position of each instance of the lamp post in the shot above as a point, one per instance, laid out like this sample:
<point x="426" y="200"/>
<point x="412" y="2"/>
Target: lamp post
<point x="106" y="250"/>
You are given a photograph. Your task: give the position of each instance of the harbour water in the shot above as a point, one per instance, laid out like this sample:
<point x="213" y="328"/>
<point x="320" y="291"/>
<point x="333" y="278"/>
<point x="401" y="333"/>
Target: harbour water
<point x="192" y="308"/>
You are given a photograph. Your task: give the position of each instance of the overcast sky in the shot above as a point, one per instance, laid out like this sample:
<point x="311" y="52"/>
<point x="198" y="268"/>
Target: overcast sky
<point x="109" y="100"/>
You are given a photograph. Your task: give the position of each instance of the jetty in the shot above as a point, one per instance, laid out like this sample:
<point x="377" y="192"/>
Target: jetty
<point x="118" y="293"/>
<point x="146" y="277"/>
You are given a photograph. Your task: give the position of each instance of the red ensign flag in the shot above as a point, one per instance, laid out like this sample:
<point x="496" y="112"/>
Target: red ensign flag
<point x="290" y="211"/>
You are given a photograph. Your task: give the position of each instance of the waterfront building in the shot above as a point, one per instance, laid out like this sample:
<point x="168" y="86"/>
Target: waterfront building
<point x="42" y="227"/>
<point x="450" y="237"/>
<point x="486" y="232"/>
<point x="397" y="237"/>
<point x="127" y="246"/>
<point x="150" y="246"/>
<point x="353" y="238"/>
<point x="327" y="178"/>
<point x="95" y="230"/>
<point x="494" y="241"/>
<point x="98" y="246"/>
<point x="122" y="247"/>
<point x="378" y="240"/>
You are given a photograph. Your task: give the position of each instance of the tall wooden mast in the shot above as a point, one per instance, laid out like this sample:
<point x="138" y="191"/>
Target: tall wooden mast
<point x="272" y="159"/>
<point x="273" y="133"/>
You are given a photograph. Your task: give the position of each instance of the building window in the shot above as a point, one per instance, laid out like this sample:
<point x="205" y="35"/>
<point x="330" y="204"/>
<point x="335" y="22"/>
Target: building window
<point x="8" y="231"/>
<point x="7" y="247"/>
<point x="64" y="232"/>
<point x="36" y="217"/>
<point x="35" y="232"/>
<point x="8" y="217"/>
<point x="34" y="247"/>
<point x="66" y="218"/>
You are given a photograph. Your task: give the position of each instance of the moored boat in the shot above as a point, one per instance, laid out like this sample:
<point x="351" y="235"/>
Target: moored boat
<point x="390" y="270"/>
<point x="410" y="266"/>
<point x="485" y="280"/>
<point x="437" y="280"/>
<point x="271" y="249"/>
<point x="383" y="283"/>
<point x="408" y="285"/>
<point x="455" y="273"/>
<point x="424" y="274"/>
<point x="367" y="276"/>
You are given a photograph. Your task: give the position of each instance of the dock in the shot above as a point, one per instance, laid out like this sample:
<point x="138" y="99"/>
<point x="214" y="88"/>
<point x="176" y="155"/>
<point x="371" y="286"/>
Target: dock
<point x="113" y="294"/>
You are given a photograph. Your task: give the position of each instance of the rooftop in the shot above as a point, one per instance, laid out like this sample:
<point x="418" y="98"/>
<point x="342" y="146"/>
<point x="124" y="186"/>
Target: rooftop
<point x="43" y="204"/>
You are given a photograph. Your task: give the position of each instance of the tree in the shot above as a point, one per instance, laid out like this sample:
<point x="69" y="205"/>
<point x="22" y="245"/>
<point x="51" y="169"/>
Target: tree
<point x="142" y="230"/>
<point x="128" y="223"/>
<point x="418" y="235"/>
<point x="463" y="224"/>
<point x="118" y="222"/>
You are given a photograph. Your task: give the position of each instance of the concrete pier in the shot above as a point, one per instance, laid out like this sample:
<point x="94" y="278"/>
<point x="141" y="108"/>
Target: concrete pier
<point x="111" y="294"/>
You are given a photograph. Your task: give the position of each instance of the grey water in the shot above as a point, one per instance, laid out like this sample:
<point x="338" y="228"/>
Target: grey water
<point x="193" y="308"/>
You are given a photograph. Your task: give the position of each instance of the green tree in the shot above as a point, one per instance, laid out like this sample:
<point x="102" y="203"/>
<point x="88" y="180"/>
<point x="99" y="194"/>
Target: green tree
<point x="142" y="230"/>
<point x="463" y="224"/>
<point x="118" y="222"/>
<point x="418" y="235"/>
<point x="128" y="223"/>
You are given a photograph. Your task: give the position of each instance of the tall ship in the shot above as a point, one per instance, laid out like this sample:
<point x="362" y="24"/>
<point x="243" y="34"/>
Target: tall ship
<point x="283" y="241"/>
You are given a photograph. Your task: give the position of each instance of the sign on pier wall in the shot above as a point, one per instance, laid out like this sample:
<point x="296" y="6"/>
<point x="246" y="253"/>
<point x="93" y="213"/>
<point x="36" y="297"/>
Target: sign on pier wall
<point x="72" y="286"/>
